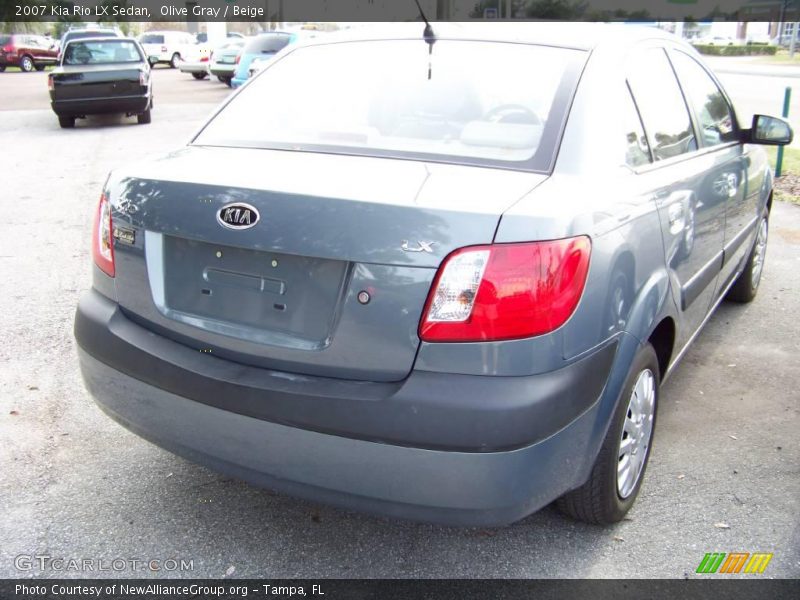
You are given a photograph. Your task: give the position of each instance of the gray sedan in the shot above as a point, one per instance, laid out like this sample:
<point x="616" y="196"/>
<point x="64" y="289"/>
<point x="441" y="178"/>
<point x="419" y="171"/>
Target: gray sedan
<point x="436" y="275"/>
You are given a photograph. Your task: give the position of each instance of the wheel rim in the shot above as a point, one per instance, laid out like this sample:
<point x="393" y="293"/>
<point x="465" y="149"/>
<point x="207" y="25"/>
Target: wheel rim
<point x="27" y="64"/>
<point x="637" y="431"/>
<point x="759" y="251"/>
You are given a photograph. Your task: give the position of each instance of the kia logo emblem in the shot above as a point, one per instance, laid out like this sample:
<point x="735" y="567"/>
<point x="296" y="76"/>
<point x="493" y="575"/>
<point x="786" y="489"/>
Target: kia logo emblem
<point x="238" y="216"/>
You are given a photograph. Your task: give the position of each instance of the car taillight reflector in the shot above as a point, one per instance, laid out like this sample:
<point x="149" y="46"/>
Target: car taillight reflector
<point x="204" y="59"/>
<point x="50" y="83"/>
<point x="505" y="291"/>
<point x="238" y="58"/>
<point x="102" y="243"/>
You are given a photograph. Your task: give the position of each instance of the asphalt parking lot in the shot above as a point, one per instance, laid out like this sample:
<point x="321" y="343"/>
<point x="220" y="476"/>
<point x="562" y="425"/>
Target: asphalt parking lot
<point x="724" y="474"/>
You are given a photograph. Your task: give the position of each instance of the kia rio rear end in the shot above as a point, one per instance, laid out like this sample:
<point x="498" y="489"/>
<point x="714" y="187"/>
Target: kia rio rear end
<point x="423" y="277"/>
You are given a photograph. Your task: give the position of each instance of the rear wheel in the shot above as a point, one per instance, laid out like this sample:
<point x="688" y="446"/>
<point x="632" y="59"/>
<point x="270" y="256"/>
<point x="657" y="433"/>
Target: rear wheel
<point x="66" y="122"/>
<point x="746" y="286"/>
<point x="618" y="472"/>
<point x="143" y="118"/>
<point x="199" y="75"/>
<point x="173" y="62"/>
<point x="2" y="68"/>
<point x="227" y="81"/>
<point x="26" y="64"/>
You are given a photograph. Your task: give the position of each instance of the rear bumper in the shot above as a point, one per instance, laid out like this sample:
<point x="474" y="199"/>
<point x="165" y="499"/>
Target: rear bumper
<point x="222" y="70"/>
<point x="132" y="374"/>
<point x="96" y="106"/>
<point x="193" y="67"/>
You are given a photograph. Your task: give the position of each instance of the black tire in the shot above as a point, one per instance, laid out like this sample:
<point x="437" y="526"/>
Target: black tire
<point x="2" y="68"/>
<point x="746" y="286"/>
<point x="39" y="67"/>
<point x="227" y="81"/>
<point x="66" y="122"/>
<point x="26" y="64"/>
<point x="599" y="500"/>
<point x="173" y="62"/>
<point x="143" y="118"/>
<point x="199" y="75"/>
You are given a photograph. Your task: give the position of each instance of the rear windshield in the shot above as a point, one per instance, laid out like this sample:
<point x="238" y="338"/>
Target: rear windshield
<point x="5" y="39"/>
<point x="487" y="103"/>
<point x="271" y="42"/>
<point x="101" y="52"/>
<point x="151" y="38"/>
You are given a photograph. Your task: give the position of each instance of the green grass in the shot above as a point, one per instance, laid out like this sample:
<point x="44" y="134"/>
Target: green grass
<point x="791" y="166"/>
<point x="791" y="159"/>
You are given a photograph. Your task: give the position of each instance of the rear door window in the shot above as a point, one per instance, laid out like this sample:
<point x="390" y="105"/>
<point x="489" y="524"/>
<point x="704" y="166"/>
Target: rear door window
<point x="151" y="38"/>
<point x="714" y="116"/>
<point x="661" y="104"/>
<point x="637" y="150"/>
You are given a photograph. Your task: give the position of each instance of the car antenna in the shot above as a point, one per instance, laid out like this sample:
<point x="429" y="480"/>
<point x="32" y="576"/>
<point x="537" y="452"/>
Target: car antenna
<point x="427" y="35"/>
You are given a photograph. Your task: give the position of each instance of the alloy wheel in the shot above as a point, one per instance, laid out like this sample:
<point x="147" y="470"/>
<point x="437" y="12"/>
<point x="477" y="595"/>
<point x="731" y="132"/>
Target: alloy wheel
<point x="636" y="433"/>
<point x="759" y="252"/>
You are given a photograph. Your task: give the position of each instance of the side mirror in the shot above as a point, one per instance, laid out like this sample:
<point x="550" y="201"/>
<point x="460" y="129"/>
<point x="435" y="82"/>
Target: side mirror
<point x="770" y="131"/>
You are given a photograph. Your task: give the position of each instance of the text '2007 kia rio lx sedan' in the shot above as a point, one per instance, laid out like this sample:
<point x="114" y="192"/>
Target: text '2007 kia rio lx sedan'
<point x="438" y="277"/>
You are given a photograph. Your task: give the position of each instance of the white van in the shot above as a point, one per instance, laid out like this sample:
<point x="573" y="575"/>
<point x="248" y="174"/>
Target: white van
<point x="167" y="46"/>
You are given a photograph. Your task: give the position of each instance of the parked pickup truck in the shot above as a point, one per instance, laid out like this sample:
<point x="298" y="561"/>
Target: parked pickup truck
<point x="101" y="75"/>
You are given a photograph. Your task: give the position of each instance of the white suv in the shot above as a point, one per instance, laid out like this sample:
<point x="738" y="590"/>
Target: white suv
<point x="166" y="46"/>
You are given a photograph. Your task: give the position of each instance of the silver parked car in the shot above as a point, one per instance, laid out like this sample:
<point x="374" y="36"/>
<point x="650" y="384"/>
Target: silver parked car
<point x="436" y="276"/>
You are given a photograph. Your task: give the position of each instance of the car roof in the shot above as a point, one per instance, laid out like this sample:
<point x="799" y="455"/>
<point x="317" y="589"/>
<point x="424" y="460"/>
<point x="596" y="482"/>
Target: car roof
<point x="93" y="30"/>
<point x="581" y="36"/>
<point x="103" y="39"/>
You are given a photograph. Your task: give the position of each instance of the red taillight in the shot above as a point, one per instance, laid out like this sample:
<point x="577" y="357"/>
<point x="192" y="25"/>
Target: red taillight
<point x="505" y="291"/>
<point x="8" y="49"/>
<point x="238" y="58"/>
<point x="204" y="59"/>
<point x="102" y="244"/>
<point x="50" y="84"/>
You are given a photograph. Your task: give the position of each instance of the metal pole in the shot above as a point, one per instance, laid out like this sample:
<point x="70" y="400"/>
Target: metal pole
<point x="787" y="97"/>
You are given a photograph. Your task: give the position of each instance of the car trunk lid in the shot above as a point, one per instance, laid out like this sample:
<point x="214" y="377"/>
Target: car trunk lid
<point x="330" y="280"/>
<point x="96" y="81"/>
